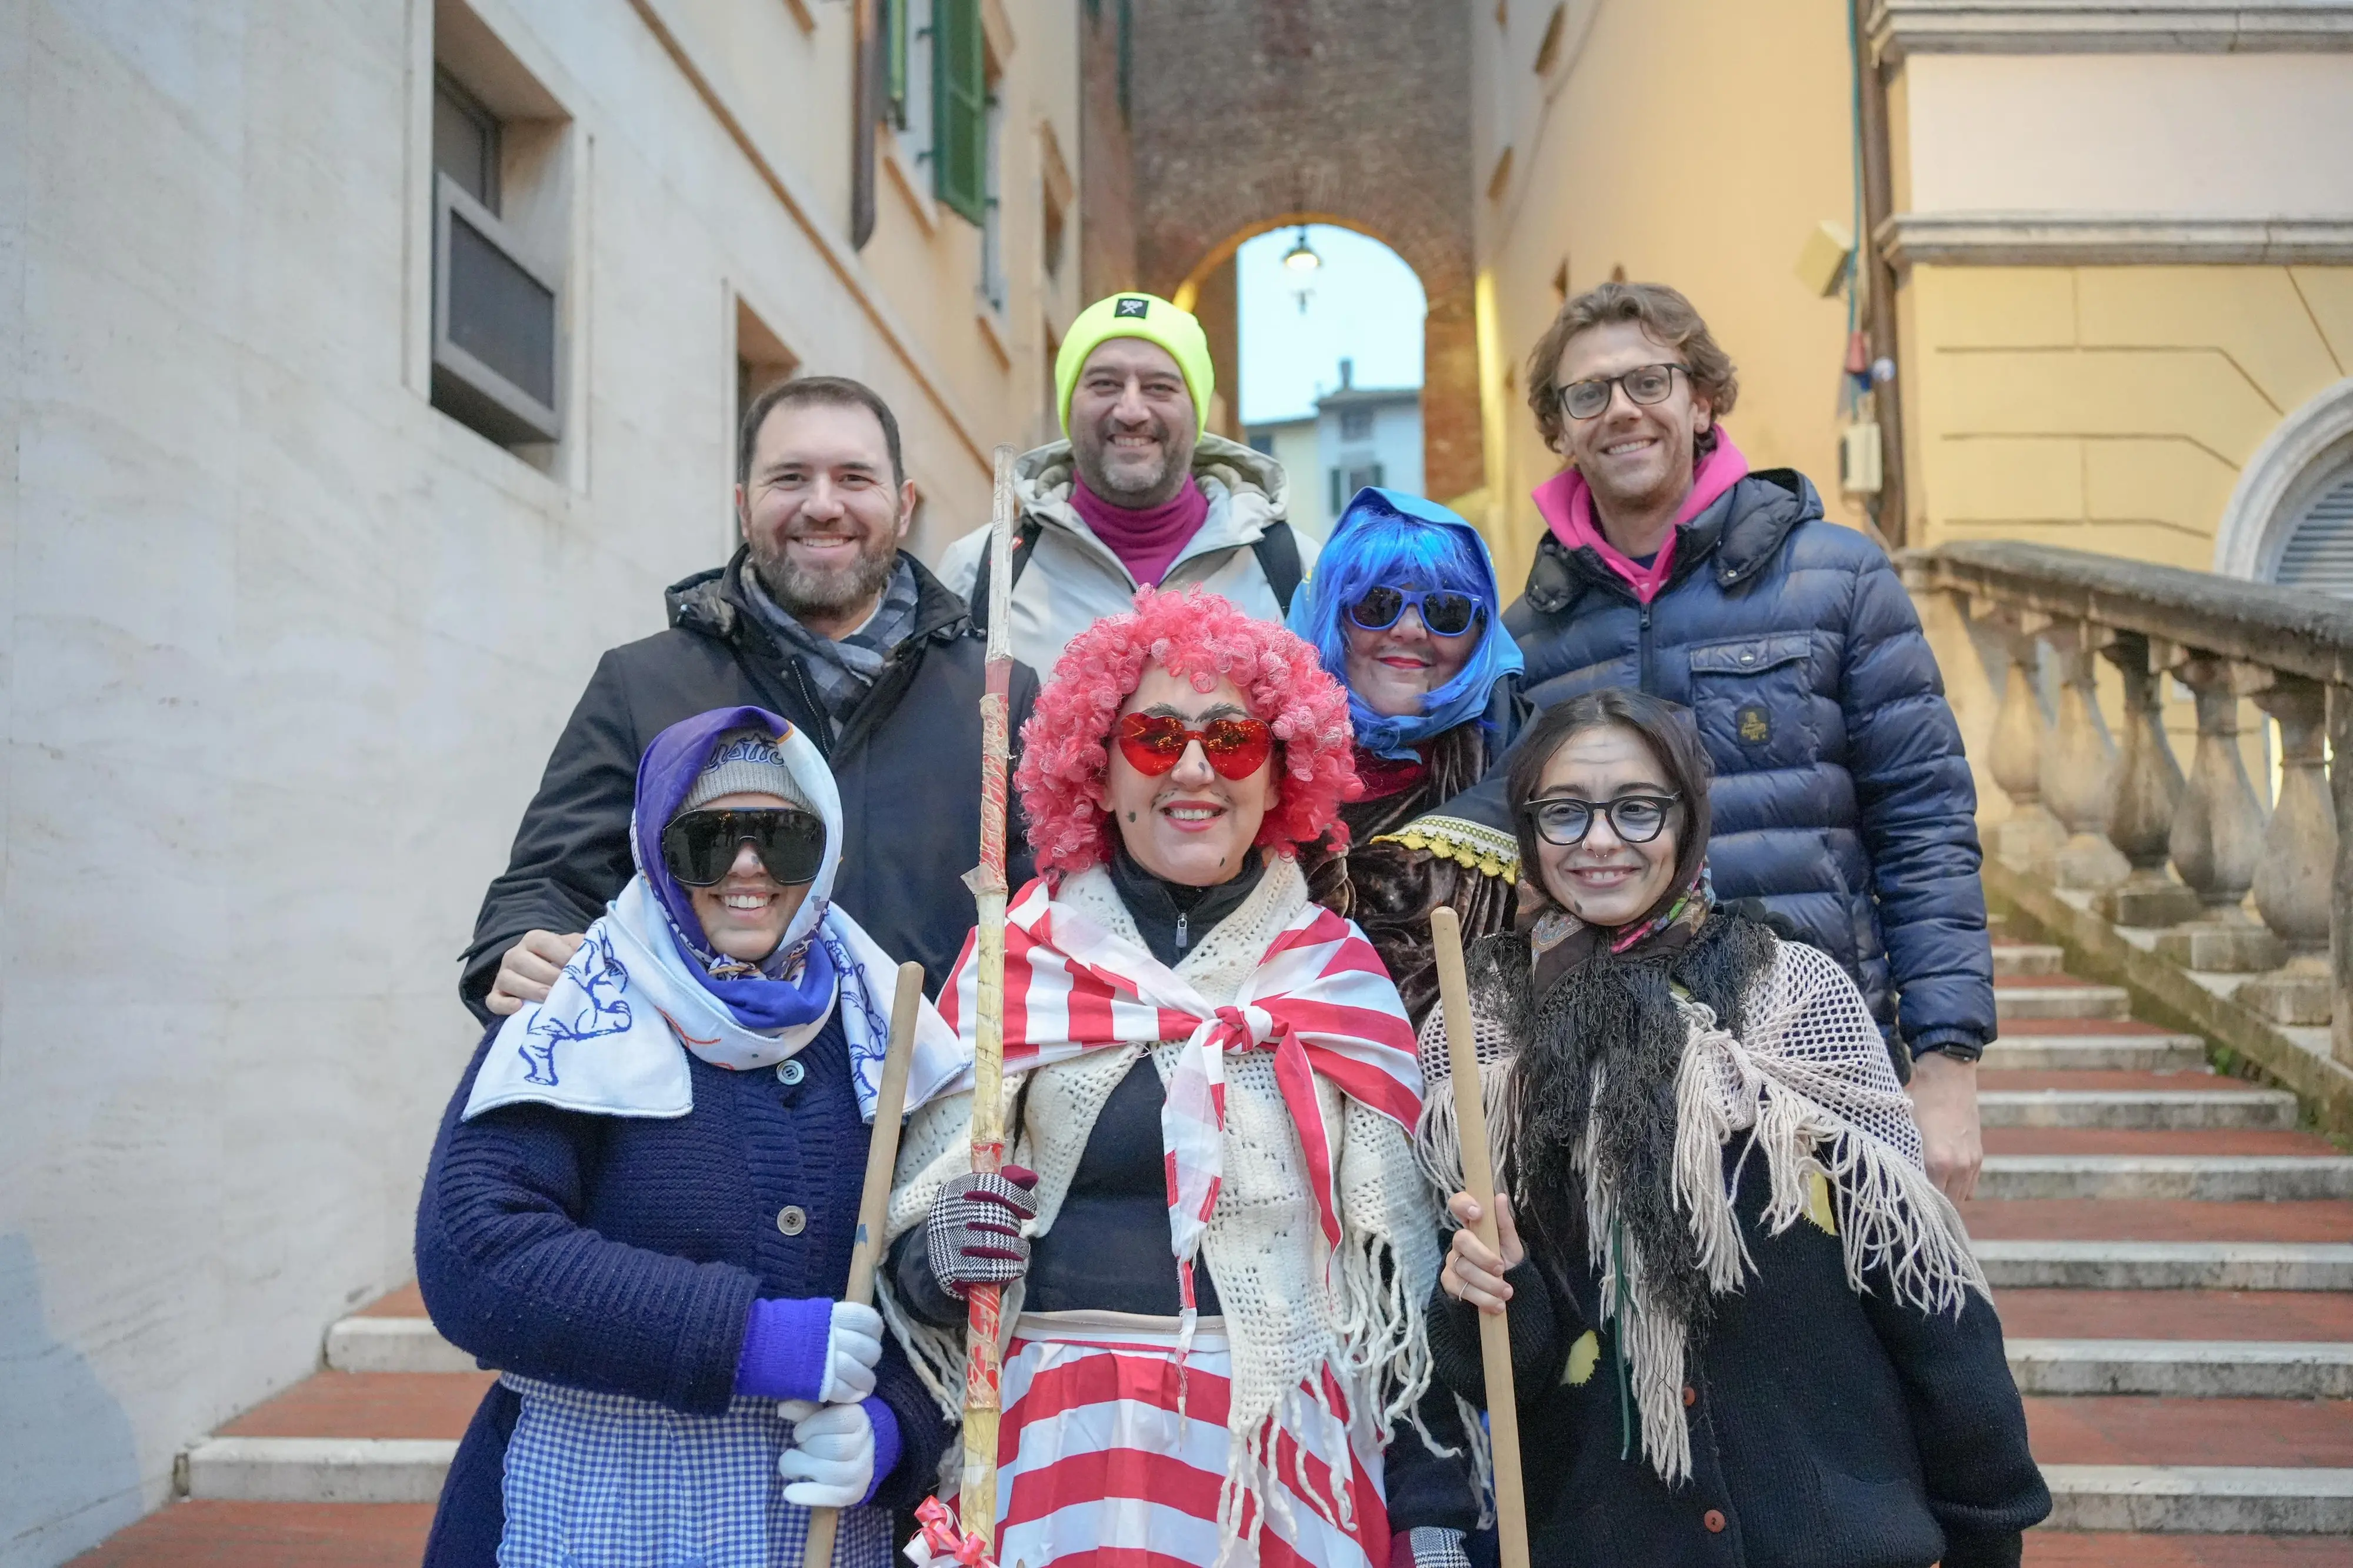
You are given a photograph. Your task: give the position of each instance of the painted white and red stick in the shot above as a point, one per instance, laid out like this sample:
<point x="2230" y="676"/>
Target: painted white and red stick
<point x="984" y="1372"/>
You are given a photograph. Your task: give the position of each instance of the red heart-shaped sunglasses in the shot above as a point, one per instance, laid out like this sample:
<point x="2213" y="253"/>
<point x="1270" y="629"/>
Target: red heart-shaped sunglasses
<point x="1155" y="742"/>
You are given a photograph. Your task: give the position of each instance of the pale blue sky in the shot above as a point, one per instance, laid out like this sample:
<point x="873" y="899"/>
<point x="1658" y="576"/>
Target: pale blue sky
<point x="1367" y="306"/>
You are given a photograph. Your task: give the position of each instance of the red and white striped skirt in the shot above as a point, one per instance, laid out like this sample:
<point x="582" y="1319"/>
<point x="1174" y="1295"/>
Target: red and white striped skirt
<point x="1098" y="1468"/>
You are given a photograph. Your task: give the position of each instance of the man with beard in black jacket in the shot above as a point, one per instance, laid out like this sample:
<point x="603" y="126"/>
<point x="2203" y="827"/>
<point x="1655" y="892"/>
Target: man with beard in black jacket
<point x="820" y="618"/>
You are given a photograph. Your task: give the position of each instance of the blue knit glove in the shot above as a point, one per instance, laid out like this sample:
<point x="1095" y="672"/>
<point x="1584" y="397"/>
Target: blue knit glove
<point x="810" y="1347"/>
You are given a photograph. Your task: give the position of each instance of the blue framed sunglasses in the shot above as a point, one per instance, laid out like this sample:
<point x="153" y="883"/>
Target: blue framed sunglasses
<point x="1446" y="613"/>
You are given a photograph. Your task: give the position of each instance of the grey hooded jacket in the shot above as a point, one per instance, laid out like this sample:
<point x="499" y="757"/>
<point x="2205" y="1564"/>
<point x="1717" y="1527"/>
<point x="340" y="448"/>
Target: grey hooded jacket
<point x="1074" y="578"/>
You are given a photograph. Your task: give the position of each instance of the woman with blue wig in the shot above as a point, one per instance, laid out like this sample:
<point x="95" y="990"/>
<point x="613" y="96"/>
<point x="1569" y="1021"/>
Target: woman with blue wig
<point x="1405" y="610"/>
<point x="643" y="1202"/>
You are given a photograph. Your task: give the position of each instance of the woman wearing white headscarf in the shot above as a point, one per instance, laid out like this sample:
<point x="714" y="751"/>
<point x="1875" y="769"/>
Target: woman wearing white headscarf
<point x="642" y="1204"/>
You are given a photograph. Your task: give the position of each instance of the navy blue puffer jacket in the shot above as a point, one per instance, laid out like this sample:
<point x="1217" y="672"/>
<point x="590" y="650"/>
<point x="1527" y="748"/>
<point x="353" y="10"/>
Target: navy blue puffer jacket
<point x="1842" y="797"/>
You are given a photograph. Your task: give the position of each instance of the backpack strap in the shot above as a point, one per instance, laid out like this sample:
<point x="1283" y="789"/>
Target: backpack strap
<point x="1025" y="545"/>
<point x="1277" y="549"/>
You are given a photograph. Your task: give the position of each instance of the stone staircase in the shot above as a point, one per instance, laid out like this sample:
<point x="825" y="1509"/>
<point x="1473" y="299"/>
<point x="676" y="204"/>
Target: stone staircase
<point x="2172" y="1256"/>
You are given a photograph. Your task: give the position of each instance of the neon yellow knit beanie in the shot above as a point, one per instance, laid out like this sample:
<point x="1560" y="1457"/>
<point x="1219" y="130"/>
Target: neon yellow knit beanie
<point x="1146" y="316"/>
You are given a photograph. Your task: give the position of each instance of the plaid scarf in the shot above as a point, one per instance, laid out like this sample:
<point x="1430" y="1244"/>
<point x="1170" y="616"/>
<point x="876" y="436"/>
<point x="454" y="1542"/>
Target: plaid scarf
<point x="1319" y="1000"/>
<point x="844" y="672"/>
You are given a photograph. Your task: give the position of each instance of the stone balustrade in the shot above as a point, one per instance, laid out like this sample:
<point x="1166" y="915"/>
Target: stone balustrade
<point x="2112" y="812"/>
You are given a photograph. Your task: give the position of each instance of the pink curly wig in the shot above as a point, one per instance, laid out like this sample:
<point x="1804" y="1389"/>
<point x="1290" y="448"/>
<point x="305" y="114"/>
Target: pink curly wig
<point x="1197" y="636"/>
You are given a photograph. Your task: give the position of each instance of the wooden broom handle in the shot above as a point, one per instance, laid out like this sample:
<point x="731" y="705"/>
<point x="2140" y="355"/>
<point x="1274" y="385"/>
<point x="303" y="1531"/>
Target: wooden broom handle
<point x="1479" y="1179"/>
<point x="874" y="1199"/>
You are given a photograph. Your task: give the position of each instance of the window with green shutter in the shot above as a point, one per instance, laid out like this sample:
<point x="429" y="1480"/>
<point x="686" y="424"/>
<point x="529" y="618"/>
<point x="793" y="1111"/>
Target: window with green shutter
<point x="894" y="61"/>
<point x="959" y="109"/>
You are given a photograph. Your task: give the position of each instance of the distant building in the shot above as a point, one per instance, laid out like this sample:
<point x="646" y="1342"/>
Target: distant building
<point x="1358" y="435"/>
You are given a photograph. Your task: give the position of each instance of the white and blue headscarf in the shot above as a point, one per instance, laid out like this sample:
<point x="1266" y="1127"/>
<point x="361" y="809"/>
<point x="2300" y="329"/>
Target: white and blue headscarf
<point x="646" y="987"/>
<point x="1389" y="539"/>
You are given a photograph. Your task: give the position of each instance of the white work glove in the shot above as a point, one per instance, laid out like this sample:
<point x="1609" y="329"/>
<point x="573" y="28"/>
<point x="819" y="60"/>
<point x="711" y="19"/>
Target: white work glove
<point x="853" y="1344"/>
<point x="831" y="1462"/>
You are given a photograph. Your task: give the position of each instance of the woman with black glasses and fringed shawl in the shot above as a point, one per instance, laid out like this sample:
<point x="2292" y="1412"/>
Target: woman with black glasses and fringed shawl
<point x="1745" y="1323"/>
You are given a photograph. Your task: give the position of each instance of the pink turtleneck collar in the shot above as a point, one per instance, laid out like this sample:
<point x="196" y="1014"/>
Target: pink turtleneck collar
<point x="1147" y="541"/>
<point x="1566" y="502"/>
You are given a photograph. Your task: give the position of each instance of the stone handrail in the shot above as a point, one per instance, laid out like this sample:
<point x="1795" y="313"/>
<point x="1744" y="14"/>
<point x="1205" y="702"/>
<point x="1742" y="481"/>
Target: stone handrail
<point x="2116" y="814"/>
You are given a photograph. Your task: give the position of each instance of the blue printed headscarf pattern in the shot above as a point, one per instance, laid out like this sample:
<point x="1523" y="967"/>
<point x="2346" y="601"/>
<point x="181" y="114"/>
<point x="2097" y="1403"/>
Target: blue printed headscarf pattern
<point x="1389" y="539"/>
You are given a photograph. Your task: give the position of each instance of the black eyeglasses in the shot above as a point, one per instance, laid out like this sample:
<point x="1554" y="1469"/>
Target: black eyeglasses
<point x="1446" y="613"/>
<point x="1645" y="384"/>
<point x="699" y="846"/>
<point x="1635" y="818"/>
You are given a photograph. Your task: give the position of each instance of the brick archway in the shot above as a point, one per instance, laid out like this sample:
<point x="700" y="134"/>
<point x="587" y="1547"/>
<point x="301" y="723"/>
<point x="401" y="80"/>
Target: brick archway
<point x="1249" y="114"/>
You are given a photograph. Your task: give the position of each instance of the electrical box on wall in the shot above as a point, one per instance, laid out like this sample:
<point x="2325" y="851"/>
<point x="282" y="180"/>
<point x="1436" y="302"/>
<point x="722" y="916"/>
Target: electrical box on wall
<point x="1859" y="473"/>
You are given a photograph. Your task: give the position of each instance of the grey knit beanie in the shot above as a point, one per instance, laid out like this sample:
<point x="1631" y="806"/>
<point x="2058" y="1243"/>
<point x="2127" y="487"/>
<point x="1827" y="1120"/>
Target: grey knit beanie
<point x="746" y="761"/>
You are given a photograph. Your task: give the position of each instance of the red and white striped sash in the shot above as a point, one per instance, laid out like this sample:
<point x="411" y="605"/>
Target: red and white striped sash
<point x="1319" y="998"/>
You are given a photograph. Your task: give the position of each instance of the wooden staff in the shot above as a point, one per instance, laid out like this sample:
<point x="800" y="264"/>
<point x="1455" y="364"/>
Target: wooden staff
<point x="1479" y="1179"/>
<point x="977" y="1498"/>
<point x="874" y="1200"/>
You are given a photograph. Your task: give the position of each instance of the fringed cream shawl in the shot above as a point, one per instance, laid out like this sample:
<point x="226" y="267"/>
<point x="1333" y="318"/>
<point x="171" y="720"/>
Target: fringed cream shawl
<point x="1812" y="1089"/>
<point x="1293" y="1308"/>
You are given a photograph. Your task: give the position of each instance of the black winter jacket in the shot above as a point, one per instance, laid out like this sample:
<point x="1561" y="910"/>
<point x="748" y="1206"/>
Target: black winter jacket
<point x="1830" y="1429"/>
<point x="1842" y="798"/>
<point x="907" y="763"/>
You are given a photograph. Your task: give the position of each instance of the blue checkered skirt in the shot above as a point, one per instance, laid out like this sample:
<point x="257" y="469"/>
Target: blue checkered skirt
<point x="602" y="1481"/>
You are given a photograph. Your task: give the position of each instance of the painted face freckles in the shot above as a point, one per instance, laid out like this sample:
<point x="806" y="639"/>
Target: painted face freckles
<point x="1191" y="824"/>
<point x="744" y="913"/>
<point x="1602" y="879"/>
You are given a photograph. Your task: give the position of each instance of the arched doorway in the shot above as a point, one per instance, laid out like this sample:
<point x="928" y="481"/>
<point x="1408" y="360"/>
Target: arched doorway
<point x="2290" y="518"/>
<point x="1255" y="114"/>
<point x="1328" y="329"/>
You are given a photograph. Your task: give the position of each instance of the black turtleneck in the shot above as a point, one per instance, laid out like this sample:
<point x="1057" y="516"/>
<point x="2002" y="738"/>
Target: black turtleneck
<point x="1173" y="917"/>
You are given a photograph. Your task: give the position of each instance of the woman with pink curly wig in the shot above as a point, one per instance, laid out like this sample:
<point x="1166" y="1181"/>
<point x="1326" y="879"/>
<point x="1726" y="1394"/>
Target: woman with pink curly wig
<point x="1216" y="1085"/>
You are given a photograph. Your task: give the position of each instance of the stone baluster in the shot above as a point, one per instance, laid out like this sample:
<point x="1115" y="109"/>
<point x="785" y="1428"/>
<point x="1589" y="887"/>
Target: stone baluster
<point x="2146" y="793"/>
<point x="2030" y="837"/>
<point x="2295" y="881"/>
<point x="2340" y="940"/>
<point x="2217" y="833"/>
<point x="2079" y="764"/>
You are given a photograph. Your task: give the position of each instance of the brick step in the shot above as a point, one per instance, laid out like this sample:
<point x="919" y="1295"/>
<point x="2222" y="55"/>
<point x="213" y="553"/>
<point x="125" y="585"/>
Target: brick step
<point x="2126" y="1140"/>
<point x="190" y="1534"/>
<point x="368" y="1405"/>
<point x="2176" y="1314"/>
<point x="392" y="1344"/>
<point x="2207" y="1106"/>
<point x="2019" y="960"/>
<point x="2043" y="1052"/>
<point x="2167" y="1265"/>
<point x="2153" y="1219"/>
<point x="408" y="1301"/>
<point x="2202" y="1499"/>
<point x="2048" y="1548"/>
<point x="317" y="1469"/>
<point x="2199" y="1369"/>
<point x="2057" y="997"/>
<point x="2140" y="1430"/>
<point x="2205" y="1178"/>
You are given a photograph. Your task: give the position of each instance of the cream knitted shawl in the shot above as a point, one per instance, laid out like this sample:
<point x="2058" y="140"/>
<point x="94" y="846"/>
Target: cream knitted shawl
<point x="1288" y="1317"/>
<point x="1811" y="1088"/>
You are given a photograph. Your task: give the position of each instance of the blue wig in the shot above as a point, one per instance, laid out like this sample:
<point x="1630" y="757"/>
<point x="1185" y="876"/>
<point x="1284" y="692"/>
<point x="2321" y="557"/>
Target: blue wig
<point x="1389" y="539"/>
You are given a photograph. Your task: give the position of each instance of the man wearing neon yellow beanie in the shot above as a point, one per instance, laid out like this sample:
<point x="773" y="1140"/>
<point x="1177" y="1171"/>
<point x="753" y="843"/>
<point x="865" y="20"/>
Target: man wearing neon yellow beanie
<point x="1139" y="493"/>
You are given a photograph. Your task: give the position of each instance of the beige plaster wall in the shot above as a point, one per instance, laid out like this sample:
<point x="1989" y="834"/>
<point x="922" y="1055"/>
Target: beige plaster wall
<point x="285" y="648"/>
<point x="1690" y="143"/>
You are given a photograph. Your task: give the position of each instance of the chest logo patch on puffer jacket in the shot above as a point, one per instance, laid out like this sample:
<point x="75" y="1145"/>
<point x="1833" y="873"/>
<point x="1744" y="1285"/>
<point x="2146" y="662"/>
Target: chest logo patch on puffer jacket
<point x="1752" y="724"/>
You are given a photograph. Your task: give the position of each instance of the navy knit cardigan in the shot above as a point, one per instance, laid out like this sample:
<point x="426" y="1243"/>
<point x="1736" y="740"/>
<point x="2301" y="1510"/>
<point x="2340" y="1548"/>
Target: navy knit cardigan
<point x="623" y="1254"/>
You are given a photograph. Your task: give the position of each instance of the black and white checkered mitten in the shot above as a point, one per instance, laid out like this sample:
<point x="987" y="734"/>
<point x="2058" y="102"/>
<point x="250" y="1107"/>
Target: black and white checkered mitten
<point x="1436" y="1547"/>
<point x="973" y="1235"/>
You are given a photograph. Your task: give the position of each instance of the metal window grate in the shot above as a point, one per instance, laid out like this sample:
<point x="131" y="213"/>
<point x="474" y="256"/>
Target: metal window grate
<point x="2319" y="552"/>
<point x="500" y="313"/>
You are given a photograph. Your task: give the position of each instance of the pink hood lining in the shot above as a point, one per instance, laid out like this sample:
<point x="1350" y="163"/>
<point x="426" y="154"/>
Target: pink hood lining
<point x="1566" y="502"/>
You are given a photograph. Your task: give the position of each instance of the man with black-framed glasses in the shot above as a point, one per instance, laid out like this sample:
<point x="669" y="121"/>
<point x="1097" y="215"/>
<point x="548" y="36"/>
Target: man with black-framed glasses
<point x="1842" y="802"/>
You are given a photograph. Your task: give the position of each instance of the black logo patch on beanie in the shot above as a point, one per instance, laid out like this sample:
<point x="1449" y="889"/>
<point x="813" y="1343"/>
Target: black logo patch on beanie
<point x="1130" y="307"/>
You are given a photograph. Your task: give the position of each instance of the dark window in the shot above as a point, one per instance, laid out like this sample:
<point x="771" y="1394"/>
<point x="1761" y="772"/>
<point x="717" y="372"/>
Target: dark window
<point x="465" y="140"/>
<point x="1263" y="441"/>
<point x="959" y="109"/>
<point x="1367" y="475"/>
<point x="1356" y="424"/>
<point x="500" y="313"/>
<point x="1338" y="497"/>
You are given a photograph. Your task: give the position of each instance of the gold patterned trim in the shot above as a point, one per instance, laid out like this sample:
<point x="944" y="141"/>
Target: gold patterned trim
<point x="1469" y="843"/>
